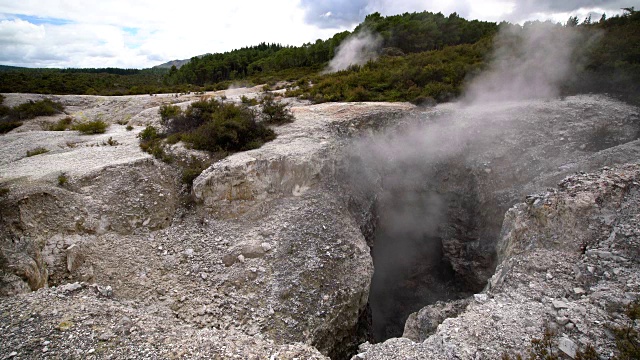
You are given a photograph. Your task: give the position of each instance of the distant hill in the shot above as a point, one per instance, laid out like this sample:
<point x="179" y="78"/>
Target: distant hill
<point x="168" y="65"/>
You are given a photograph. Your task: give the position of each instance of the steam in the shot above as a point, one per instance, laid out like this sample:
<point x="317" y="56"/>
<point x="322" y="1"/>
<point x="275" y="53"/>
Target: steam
<point x="357" y="49"/>
<point x="401" y="166"/>
<point x="530" y="62"/>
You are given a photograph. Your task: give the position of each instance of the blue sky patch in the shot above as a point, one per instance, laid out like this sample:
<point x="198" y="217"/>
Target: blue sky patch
<point x="131" y="30"/>
<point x="43" y="20"/>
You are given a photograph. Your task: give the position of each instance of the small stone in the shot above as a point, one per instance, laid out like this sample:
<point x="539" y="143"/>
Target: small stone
<point x="203" y="276"/>
<point x="578" y="291"/>
<point x="45" y="349"/>
<point x="188" y="252"/>
<point x="549" y="276"/>
<point x="13" y="354"/>
<point x="591" y="269"/>
<point x="570" y="326"/>
<point x="106" y="336"/>
<point x="241" y="258"/>
<point x="45" y="343"/>
<point x="91" y="351"/>
<point x="105" y="291"/>
<point x="266" y="246"/>
<point x="67" y="288"/>
<point x="558" y="304"/>
<point x="568" y="347"/>
<point x="481" y="298"/>
<point x="561" y="320"/>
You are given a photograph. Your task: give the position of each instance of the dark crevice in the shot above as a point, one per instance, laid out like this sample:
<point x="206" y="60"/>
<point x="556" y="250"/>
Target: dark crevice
<point x="425" y="247"/>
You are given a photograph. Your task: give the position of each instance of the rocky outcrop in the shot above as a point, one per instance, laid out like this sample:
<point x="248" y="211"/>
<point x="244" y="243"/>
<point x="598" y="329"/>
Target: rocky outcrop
<point x="422" y="324"/>
<point x="269" y="249"/>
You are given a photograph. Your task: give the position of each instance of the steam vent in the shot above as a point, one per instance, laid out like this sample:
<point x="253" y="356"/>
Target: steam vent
<point x="498" y="218"/>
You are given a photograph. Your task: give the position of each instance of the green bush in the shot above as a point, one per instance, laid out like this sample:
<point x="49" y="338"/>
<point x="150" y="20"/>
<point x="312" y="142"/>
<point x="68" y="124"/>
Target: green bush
<point x="216" y="126"/>
<point x="627" y="336"/>
<point x="151" y="143"/>
<point x="62" y="179"/>
<point x="61" y="125"/>
<point x="36" y="151"/>
<point x="192" y="170"/>
<point x="248" y="101"/>
<point x="4" y="110"/>
<point x="275" y="112"/>
<point x="91" y="127"/>
<point x="148" y="134"/>
<point x="32" y="109"/>
<point x="6" y="126"/>
<point x="169" y="111"/>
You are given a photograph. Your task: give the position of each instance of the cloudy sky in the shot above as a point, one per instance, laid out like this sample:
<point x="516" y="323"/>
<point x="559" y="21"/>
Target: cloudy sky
<point x="144" y="33"/>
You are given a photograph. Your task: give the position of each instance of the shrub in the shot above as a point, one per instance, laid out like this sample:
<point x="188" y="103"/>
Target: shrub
<point x="193" y="169"/>
<point x="32" y="109"/>
<point x="237" y="134"/>
<point x="129" y="127"/>
<point x="36" y="151"/>
<point x="151" y="143"/>
<point x="248" y="101"/>
<point x="91" y="127"/>
<point x="174" y="138"/>
<point x="62" y="179"/>
<point x="213" y="125"/>
<point x="169" y="111"/>
<point x="112" y="142"/>
<point x="275" y="112"/>
<point x="61" y="125"/>
<point x="4" y="110"/>
<point x="6" y="126"/>
<point x="627" y="336"/>
<point x="149" y="133"/>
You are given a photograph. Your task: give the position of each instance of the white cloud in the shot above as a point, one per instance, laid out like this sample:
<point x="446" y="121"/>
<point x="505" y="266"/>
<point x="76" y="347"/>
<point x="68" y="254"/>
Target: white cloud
<point x="95" y="34"/>
<point x="143" y="33"/>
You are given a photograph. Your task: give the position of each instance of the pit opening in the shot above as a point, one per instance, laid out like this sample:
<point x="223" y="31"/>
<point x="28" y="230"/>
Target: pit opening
<point x="424" y="223"/>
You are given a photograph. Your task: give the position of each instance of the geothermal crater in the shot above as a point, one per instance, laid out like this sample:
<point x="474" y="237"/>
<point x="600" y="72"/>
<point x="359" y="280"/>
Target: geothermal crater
<point x="355" y="218"/>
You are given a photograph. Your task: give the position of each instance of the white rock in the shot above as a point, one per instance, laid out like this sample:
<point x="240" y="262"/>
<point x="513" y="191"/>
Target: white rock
<point x="481" y="298"/>
<point x="568" y="347"/>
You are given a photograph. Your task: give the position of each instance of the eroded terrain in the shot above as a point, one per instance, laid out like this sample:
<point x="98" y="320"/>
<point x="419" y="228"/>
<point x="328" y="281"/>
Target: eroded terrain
<point x="270" y="254"/>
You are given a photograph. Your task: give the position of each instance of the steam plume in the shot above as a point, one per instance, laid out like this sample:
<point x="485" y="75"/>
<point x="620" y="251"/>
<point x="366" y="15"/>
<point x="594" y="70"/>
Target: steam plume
<point x="357" y="49"/>
<point x="401" y="165"/>
<point x="529" y="62"/>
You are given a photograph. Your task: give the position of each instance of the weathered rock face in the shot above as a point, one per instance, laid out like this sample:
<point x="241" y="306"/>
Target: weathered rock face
<point x="317" y="273"/>
<point x="271" y="249"/>
<point x="569" y="260"/>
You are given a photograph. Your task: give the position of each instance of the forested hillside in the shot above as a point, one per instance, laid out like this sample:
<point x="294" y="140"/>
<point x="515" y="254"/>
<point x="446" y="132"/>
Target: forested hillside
<point x="424" y="57"/>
